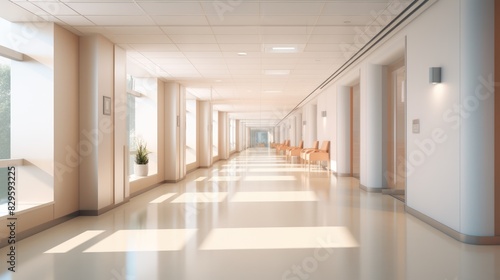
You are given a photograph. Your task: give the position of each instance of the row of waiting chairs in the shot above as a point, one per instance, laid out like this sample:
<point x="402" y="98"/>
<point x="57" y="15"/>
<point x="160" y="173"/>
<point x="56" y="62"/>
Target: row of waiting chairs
<point x="306" y="156"/>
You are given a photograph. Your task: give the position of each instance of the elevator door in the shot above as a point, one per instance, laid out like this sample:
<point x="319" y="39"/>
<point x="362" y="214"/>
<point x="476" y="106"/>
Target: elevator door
<point x="397" y="131"/>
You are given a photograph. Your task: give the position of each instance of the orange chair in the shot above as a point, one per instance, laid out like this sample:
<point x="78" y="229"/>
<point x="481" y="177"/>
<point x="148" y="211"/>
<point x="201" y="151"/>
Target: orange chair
<point x="282" y="147"/>
<point x="322" y="154"/>
<point x="303" y="152"/>
<point x="290" y="149"/>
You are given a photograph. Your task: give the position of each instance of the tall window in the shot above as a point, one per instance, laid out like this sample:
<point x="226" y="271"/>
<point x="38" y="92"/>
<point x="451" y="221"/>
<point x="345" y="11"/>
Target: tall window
<point x="4" y="123"/>
<point x="191" y="129"/>
<point x="215" y="134"/>
<point x="142" y="120"/>
<point x="232" y="134"/>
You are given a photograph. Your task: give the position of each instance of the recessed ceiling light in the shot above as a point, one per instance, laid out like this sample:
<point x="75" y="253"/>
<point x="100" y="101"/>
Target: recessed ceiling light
<point x="284" y="48"/>
<point x="242" y="54"/>
<point x="288" y="48"/>
<point x="276" y="72"/>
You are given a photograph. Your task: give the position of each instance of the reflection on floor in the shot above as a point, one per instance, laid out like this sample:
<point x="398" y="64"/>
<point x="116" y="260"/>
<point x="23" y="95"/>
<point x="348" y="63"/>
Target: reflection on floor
<point x="253" y="217"/>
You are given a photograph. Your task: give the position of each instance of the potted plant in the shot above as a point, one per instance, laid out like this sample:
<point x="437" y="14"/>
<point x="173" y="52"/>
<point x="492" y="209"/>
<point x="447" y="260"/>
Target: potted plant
<point x="141" y="159"/>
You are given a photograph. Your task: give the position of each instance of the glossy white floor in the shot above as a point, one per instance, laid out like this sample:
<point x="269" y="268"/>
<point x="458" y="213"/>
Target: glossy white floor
<point x="254" y="217"/>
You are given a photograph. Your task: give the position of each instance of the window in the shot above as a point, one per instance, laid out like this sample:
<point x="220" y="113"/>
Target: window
<point x="4" y="123"/>
<point x="191" y="135"/>
<point x="142" y="120"/>
<point x="232" y="134"/>
<point x="215" y="134"/>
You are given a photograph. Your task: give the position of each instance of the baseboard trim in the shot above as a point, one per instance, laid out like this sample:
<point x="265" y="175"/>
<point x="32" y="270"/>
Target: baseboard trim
<point x="343" y="174"/>
<point x="32" y="231"/>
<point x="464" y="238"/>
<point x="146" y="189"/>
<point x="371" y="190"/>
<point x="393" y="192"/>
<point x="173" y="181"/>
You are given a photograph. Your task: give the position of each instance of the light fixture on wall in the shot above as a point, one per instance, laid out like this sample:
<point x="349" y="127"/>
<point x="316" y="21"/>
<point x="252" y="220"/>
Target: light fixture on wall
<point x="435" y="75"/>
<point x="323" y="114"/>
<point x="303" y="122"/>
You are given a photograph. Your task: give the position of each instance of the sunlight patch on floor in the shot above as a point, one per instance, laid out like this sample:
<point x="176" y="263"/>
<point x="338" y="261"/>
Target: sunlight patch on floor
<point x="282" y="196"/>
<point x="144" y="240"/>
<point x="278" y="238"/>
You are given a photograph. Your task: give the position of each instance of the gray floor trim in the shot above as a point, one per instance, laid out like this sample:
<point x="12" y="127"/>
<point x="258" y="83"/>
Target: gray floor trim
<point x="370" y="190"/>
<point x="468" y="239"/>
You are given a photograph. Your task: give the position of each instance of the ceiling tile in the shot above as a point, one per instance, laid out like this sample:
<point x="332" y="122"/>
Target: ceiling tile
<point x="180" y="20"/>
<point x="287" y="8"/>
<point x="199" y="61"/>
<point x="139" y="30"/>
<point x="193" y="39"/>
<point x="106" y="9"/>
<point x="238" y="39"/>
<point x="342" y="20"/>
<point x="356" y="8"/>
<point x="145" y="39"/>
<point x="56" y="8"/>
<point x="288" y="20"/>
<point x="230" y="8"/>
<point x="286" y="30"/>
<point x="236" y="30"/>
<point x="187" y="30"/>
<point x="284" y="39"/>
<point x="121" y="20"/>
<point x="240" y="47"/>
<point x="198" y="47"/>
<point x="172" y="9"/>
<point x="154" y="47"/>
<point x="331" y="39"/>
<point x="75" y="20"/>
<point x="336" y="29"/>
<point x="234" y="20"/>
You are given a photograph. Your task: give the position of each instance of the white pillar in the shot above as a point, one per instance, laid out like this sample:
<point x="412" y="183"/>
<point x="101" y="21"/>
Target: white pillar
<point x="343" y="135"/>
<point x="477" y="186"/>
<point x="373" y="80"/>
<point x="310" y="134"/>
<point x="298" y="128"/>
<point x="205" y="133"/>
<point x="293" y="134"/>
<point x="96" y="81"/>
<point x="224" y="145"/>
<point x="121" y="155"/>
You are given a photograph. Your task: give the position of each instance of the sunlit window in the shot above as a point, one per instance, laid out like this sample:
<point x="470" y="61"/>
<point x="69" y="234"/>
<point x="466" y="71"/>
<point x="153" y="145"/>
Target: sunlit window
<point x="142" y="120"/>
<point x="232" y="134"/>
<point x="5" y="116"/>
<point x="215" y="134"/>
<point x="191" y="128"/>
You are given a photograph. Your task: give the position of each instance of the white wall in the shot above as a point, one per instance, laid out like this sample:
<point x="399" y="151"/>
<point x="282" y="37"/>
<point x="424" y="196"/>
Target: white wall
<point x="450" y="162"/>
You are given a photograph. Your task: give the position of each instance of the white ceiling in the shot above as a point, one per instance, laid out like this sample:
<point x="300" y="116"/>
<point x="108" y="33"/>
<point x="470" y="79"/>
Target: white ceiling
<point x="197" y="42"/>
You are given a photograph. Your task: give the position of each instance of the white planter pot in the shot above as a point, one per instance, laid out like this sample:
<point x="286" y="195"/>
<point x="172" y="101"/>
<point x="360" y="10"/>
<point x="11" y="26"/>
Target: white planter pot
<point x="141" y="170"/>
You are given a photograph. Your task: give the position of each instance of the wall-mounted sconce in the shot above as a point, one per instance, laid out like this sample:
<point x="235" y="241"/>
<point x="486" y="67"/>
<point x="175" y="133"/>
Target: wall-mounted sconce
<point x="323" y="114"/>
<point x="303" y="122"/>
<point x="435" y="75"/>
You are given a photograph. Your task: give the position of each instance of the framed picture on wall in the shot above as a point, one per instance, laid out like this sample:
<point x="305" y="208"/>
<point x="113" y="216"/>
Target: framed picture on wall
<point x="106" y="107"/>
